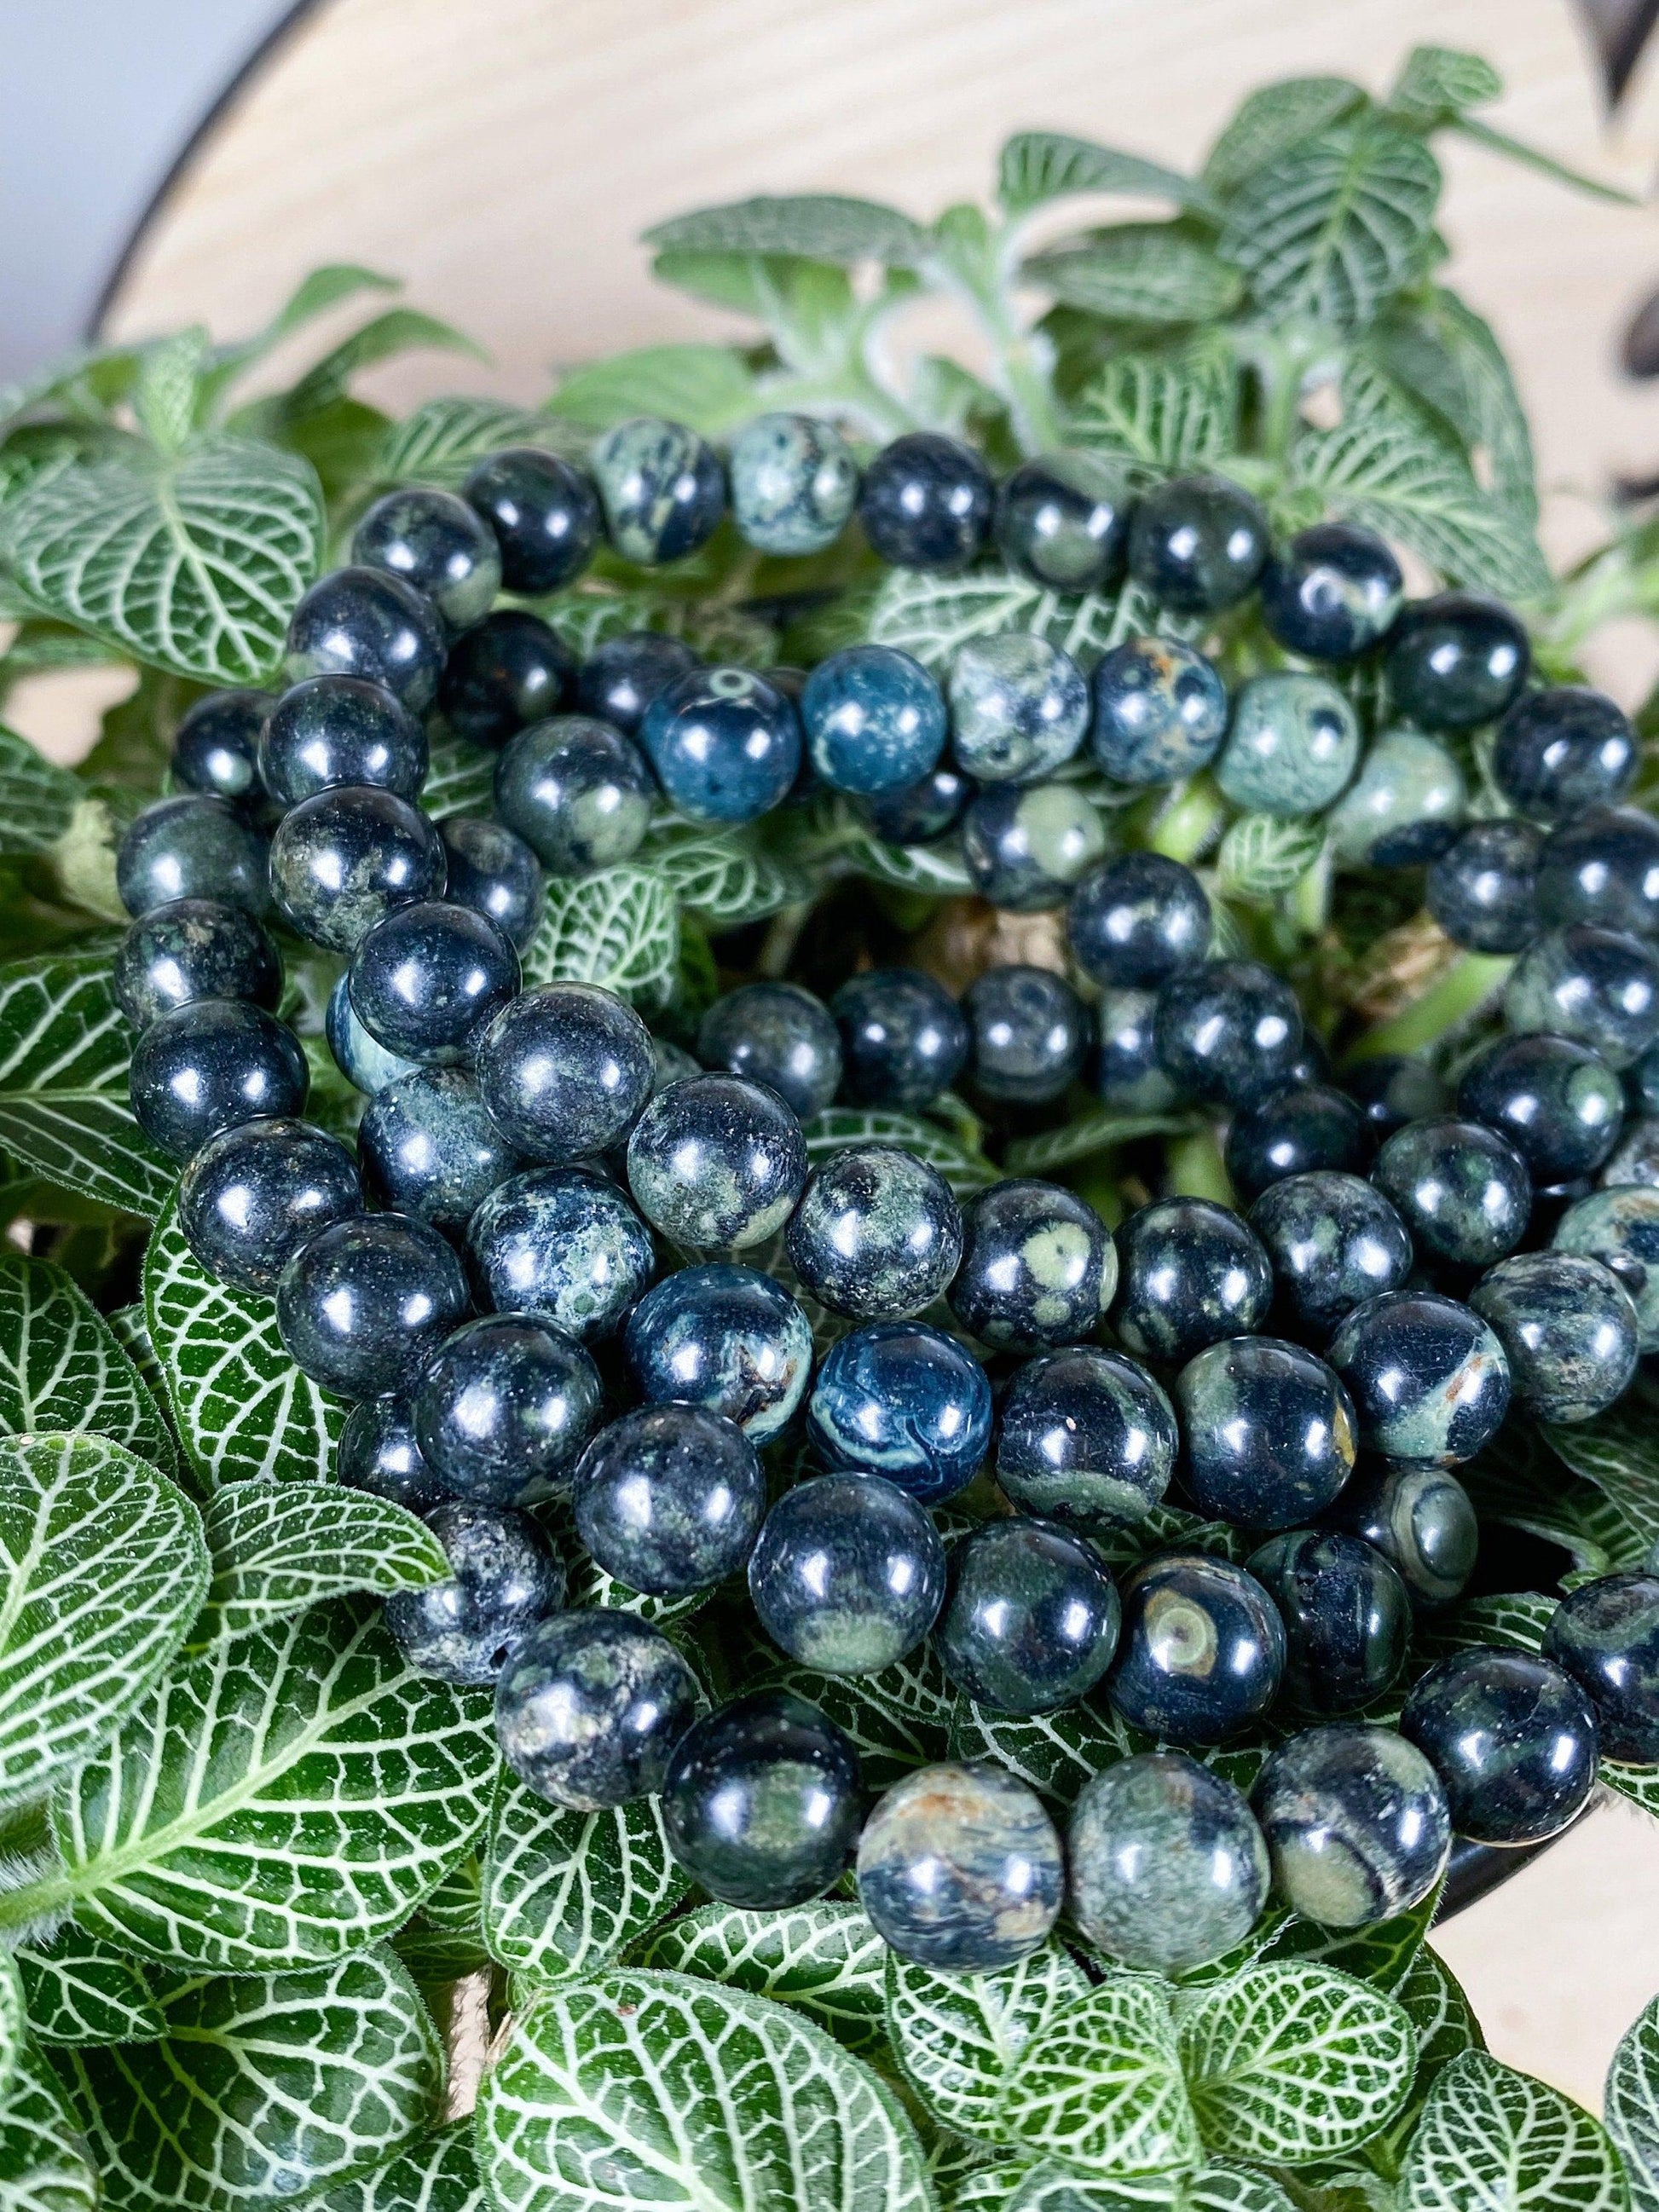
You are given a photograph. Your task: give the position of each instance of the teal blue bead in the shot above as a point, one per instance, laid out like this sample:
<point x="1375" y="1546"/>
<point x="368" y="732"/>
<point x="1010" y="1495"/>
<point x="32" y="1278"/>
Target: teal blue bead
<point x="669" y="1498"/>
<point x="877" y="1236"/>
<point x="590" y="1708"/>
<point x="1423" y="1522"/>
<point x="1404" y="808"/>
<point x="724" y="742"/>
<point x="1620" y="1227"/>
<point x="563" y="1244"/>
<point x="724" y="1338"/>
<point x="363" y="1062"/>
<point x="504" y="1576"/>
<point x="1032" y="1619"/>
<point x="1201" y="1652"/>
<point x="1086" y="1438"/>
<point x="1429" y="1380"/>
<point x="904" y="1400"/>
<point x="1606" y="1635"/>
<point x="1019" y="708"/>
<point x="875" y="719"/>
<point x="1348" y="1617"/>
<point x="1160" y="711"/>
<point x="191" y="847"/>
<point x="794" y="483"/>
<point x="429" y="1148"/>
<point x="1461" y="1189"/>
<point x="716" y="1164"/>
<point x="1190" y="1273"/>
<point x="1168" y="1868"/>
<point x="1038" y="1267"/>
<point x="762" y="1802"/>
<point x="959" y="1868"/>
<point x="662" y="488"/>
<point x="1357" y="1824"/>
<point x="1063" y="520"/>
<point x="1455" y="660"/>
<point x="1596" y="985"/>
<point x="1026" y="845"/>
<point x="1269" y="1432"/>
<point x="847" y="1574"/>
<point x="437" y="543"/>
<point x="1335" y="1242"/>
<point x="1293" y="746"/>
<point x="503" y="1408"/>
<point x="1568" y="1329"/>
<point x="577" y="792"/>
<point x="1513" y="1740"/>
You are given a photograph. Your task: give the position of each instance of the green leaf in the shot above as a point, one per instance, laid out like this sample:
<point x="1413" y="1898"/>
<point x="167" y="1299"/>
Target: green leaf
<point x="618" y="927"/>
<point x="438" y="2173"/>
<point x="1163" y="414"/>
<point x="81" y="1990"/>
<point x="244" y="1411"/>
<point x="280" y="1547"/>
<point x="1443" y="353"/>
<point x="104" y="1566"/>
<point x="654" y="2088"/>
<point x="1201" y="2189"/>
<point x="564" y="1893"/>
<point x="896" y="1720"/>
<point x="1519" y="1482"/>
<point x="825" y="1959"/>
<point x="315" y="294"/>
<point x="1055" y="1753"/>
<point x="63" y="1111"/>
<point x="935" y="616"/>
<point x="442" y="441"/>
<point x="265" y="2088"/>
<point x="1382" y="1955"/>
<point x="838" y="1126"/>
<point x="726" y="878"/>
<point x="399" y="331"/>
<point x="1273" y="118"/>
<point x="1491" y="2139"/>
<point x="37" y="799"/>
<point x="1438" y="82"/>
<point x="194" y="562"/>
<point x="960" y="2036"/>
<point x="164" y="396"/>
<point x="709" y="388"/>
<point x="1092" y="1133"/>
<point x="1516" y="1619"/>
<point x="1529" y="157"/>
<point x="287" y="1798"/>
<point x="1632" y="2107"/>
<point x="1618" y="1452"/>
<point x="13" y="2027"/>
<point x="820" y="225"/>
<point x="1262" y="855"/>
<point x="45" y="2164"/>
<point x="1336" y="226"/>
<point x="1140" y="272"/>
<point x="829" y="836"/>
<point x="1099" y="2089"/>
<point x="1290" y="2064"/>
<point x="1035" y="166"/>
<point x="61" y="1368"/>
<point x="460" y="777"/>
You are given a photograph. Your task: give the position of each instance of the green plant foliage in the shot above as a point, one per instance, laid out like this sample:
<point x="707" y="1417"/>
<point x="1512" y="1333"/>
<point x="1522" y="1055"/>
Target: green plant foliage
<point x="1100" y="2087"/>
<point x="279" y="1549"/>
<point x="1632" y="2107"/>
<point x="46" y="2163"/>
<point x="960" y="2036"/>
<point x="824" y="1959"/>
<point x="62" y="1367"/>
<point x="439" y="2173"/>
<point x="78" y="1988"/>
<point x="565" y="1894"/>
<point x="1492" y="2136"/>
<point x="618" y="927"/>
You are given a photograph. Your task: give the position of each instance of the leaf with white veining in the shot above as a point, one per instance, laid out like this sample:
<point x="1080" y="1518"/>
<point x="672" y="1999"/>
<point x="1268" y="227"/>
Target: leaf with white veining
<point x="565" y="1892"/>
<point x="1101" y="2089"/>
<point x="617" y="927"/>
<point x="81" y="1990"/>
<point x="280" y="1547"/>
<point x="61" y="1368"/>
<point x="1492" y="2140"/>
<point x="45" y="2163"/>
<point x="438" y="2173"/>
<point x="960" y="2036"/>
<point x="826" y="1959"/>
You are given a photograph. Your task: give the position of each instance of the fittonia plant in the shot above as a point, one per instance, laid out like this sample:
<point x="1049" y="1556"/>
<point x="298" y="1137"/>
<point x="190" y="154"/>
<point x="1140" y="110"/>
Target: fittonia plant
<point x="668" y="1541"/>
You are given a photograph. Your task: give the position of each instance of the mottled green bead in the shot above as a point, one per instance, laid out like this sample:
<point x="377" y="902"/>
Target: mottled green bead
<point x="1293" y="746"/>
<point x="1025" y="846"/>
<point x="1568" y="1329"/>
<point x="1405" y="806"/>
<point x="794" y="483"/>
<point x="1169" y="1868"/>
<point x="1620" y="1227"/>
<point x="662" y="488"/>
<point x="1348" y="1617"/>
<point x="1356" y="1822"/>
<point x="1019" y="708"/>
<point x="1423" y="1522"/>
<point x="1063" y="518"/>
<point x="1597" y="986"/>
<point x="959" y="1867"/>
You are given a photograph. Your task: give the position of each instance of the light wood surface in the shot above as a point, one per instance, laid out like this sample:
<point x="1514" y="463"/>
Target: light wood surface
<point x="502" y="156"/>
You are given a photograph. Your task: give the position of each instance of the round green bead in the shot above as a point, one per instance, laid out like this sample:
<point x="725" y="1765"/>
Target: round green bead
<point x="1293" y="746"/>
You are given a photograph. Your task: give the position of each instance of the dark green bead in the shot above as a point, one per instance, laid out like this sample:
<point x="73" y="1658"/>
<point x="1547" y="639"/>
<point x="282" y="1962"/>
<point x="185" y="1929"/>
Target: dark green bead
<point x="1357" y="1824"/>
<point x="495" y="873"/>
<point x="1029" y="1030"/>
<point x="435" y="542"/>
<point x="334" y="730"/>
<point x="926" y="502"/>
<point x="716" y="1164"/>
<point x="1201" y="1652"/>
<point x="1228" y="1031"/>
<point x="1620" y="1227"/>
<point x="563" y="1243"/>
<point x="565" y="1071"/>
<point x="1422" y="1520"/>
<point x="1063" y="520"/>
<point x="576" y="791"/>
<point x="362" y="1306"/>
<point x="1428" y="1378"/>
<point x="1198" y="543"/>
<point x="1167" y="1869"/>
<point x="1390" y="1090"/>
<point x="1019" y="708"/>
<point x="1405" y="807"/>
<point x="1606" y="1635"/>
<point x="209" y="1066"/>
<point x="429" y="1148"/>
<point x="1635" y="1158"/>
<point x="1269" y="1432"/>
<point x="726" y="1339"/>
<point x="762" y="1802"/>
<point x="378" y="1452"/>
<point x="847" y="1574"/>
<point x="1348" y="1617"/>
<point x="1306" y="1128"/>
<point x="1160" y="711"/>
<point x="1513" y="1740"/>
<point x="1026" y="845"/>
<point x="923" y="811"/>
<point x="1558" y="1103"/>
<point x="623" y="675"/>
<point x="1087" y="1439"/>
<point x="794" y="483"/>
<point x="776" y="1034"/>
<point x="1137" y="920"/>
<point x="1293" y="745"/>
<point x="192" y="949"/>
<point x="877" y="1236"/>
<point x="426" y="981"/>
<point x="344" y="861"/>
<point x="504" y="1576"/>
<point x="1032" y="1619"/>
<point x="191" y="848"/>
<point x="1602" y="867"/>
<point x="544" y="513"/>
<point x="1562" y="750"/>
<point x="1568" y="1327"/>
<point x="1461" y="1189"/>
<point x="904" y="1037"/>
<point x="591" y="1706"/>
<point x="358" y="1059"/>
<point x="1190" y="1273"/>
<point x="1335" y="1242"/>
<point x="256" y="1192"/>
<point x="1332" y="592"/>
<point x="215" y="748"/>
<point x="1125" y="1072"/>
<point x="507" y="673"/>
<point x="1038" y="1267"/>
<point x="362" y="622"/>
<point x="505" y="1405"/>
<point x="1456" y="659"/>
<point x="1483" y="889"/>
<point x="669" y="1499"/>
<point x="960" y="1870"/>
<point x="663" y="489"/>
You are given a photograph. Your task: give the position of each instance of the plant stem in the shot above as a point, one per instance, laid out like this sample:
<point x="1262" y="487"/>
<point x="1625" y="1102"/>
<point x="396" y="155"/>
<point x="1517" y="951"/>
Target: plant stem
<point x="1188" y="824"/>
<point x="1466" y="985"/>
<point x="1196" y="1168"/>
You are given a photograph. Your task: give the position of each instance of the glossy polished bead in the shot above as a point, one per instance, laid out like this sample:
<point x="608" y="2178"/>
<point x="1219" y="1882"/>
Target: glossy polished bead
<point x="1190" y="1273"/>
<point x="724" y="742"/>
<point x="1030" y="1032"/>
<point x="1456" y="659"/>
<point x="1602" y="867"/>
<point x="1269" y="1432"/>
<point x="1513" y="1740"/>
<point x="662" y="488"/>
<point x="1025" y="845"/>
<point x="1348" y="1617"/>
<point x="191" y="848"/>
<point x="344" y="861"/>
<point x="335" y="730"/>
<point x="904" y="1037"/>
<point x="1606" y="1635"/>
<point x="1292" y="747"/>
<point x="504" y="1576"/>
<point x="208" y="1067"/>
<point x="591" y="1706"/>
<point x="1136" y="920"/>
<point x="904" y="1401"/>
<point x="544" y="513"/>
<point x="1635" y="1158"/>
<point x="1461" y="1189"/>
<point x="1228" y="1030"/>
<point x="1167" y="1869"/>
<point x="1306" y="1128"/>
<point x="716" y="1163"/>
<point x="1201" y="1650"/>
<point x="1560" y="750"/>
<point x="215" y="748"/>
<point x="1333" y="593"/>
<point x="922" y="810"/>
<point x="726" y="1339"/>
<point x="1620" y="1227"/>
<point x="1357" y="1824"/>
<point x="576" y="791"/>
<point x="1086" y="1438"/>
<point x="776" y="1034"/>
<point x="192" y="949"/>
<point x="1390" y="1090"/>
<point x="361" y="621"/>
<point x="379" y="1452"/>
<point x="1429" y="1380"/>
<point x="927" y="502"/>
<point x="362" y="1306"/>
<point x="1405" y="806"/>
<point x="1422" y="1520"/>
<point x="565" y="1071"/>
<point x="1568" y="1329"/>
<point x="877" y="1236"/>
<point x="504" y="1406"/>
<point x="509" y="671"/>
<point x="848" y="1573"/>
<point x="1160" y="711"/>
<point x="669" y="1499"/>
<point x="563" y="1243"/>
<point x="794" y="483"/>
<point x="1125" y="1072"/>
<point x="1198" y="543"/>
<point x="426" y="980"/>
<point x="959" y="1868"/>
<point x="621" y="676"/>
<point x="493" y="872"/>
<point x="1558" y="1103"/>
<point x="1038" y="1267"/>
<point x="1019" y="708"/>
<point x="762" y="1802"/>
<point x="358" y="1058"/>
<point x="1063" y="520"/>
<point x="1483" y="889"/>
<point x="257" y="1192"/>
<point x="875" y="719"/>
<point x="1335" y="1242"/>
<point x="1032" y="1619"/>
<point x="437" y="543"/>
